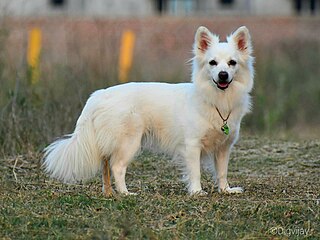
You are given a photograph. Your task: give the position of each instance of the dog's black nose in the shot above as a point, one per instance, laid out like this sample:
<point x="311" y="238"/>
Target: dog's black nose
<point x="223" y="75"/>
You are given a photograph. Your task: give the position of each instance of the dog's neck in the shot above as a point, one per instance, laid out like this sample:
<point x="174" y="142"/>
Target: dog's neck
<point x="233" y="99"/>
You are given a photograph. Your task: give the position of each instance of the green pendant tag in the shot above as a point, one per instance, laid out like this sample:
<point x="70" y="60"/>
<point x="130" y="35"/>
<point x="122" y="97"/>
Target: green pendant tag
<point x="225" y="129"/>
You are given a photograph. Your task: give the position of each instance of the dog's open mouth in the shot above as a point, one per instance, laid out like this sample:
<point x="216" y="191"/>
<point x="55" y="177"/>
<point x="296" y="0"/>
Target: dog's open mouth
<point x="222" y="85"/>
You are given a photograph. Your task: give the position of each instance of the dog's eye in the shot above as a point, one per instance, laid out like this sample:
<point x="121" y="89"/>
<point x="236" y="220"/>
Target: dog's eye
<point x="232" y="62"/>
<point x="213" y="63"/>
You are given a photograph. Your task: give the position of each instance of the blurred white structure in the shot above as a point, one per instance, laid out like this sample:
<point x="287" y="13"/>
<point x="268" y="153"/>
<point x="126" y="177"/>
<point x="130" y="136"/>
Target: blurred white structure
<point x="97" y="8"/>
<point x="142" y="8"/>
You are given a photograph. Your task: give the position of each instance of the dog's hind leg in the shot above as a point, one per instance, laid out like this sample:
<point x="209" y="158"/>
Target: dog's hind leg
<point x="121" y="159"/>
<point x="106" y="178"/>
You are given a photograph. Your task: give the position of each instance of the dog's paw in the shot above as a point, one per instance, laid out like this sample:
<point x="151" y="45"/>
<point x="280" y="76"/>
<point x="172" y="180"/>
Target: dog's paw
<point x="200" y="193"/>
<point x="129" y="194"/>
<point x="108" y="192"/>
<point x="232" y="190"/>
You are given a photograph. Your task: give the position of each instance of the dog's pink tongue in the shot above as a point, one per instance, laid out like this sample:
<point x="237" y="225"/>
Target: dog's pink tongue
<point x="223" y="85"/>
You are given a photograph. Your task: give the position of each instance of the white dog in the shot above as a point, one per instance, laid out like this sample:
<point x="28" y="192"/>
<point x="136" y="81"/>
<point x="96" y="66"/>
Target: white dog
<point x="196" y="122"/>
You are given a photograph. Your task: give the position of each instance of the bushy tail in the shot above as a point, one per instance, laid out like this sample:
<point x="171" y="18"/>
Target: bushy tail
<point x="74" y="157"/>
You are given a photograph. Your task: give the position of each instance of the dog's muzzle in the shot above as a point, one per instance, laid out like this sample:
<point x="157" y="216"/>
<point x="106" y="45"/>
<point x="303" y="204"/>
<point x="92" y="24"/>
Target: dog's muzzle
<point x="222" y="83"/>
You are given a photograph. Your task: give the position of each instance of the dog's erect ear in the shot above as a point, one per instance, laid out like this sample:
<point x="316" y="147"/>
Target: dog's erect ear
<point x="242" y="40"/>
<point x="203" y="40"/>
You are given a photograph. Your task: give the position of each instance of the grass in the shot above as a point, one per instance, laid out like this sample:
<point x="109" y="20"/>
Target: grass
<point x="285" y="94"/>
<point x="281" y="199"/>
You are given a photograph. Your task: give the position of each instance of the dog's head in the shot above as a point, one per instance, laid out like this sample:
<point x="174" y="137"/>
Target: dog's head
<point x="221" y="61"/>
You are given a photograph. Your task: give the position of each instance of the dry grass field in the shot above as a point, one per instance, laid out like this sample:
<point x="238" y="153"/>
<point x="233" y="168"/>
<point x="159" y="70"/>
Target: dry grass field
<point x="281" y="199"/>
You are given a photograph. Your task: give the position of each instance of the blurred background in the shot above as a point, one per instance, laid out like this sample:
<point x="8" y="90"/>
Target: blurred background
<point x="54" y="53"/>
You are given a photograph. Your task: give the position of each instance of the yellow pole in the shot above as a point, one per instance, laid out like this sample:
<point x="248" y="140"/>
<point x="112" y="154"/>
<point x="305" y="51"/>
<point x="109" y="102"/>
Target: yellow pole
<point x="33" y="55"/>
<point x="126" y="54"/>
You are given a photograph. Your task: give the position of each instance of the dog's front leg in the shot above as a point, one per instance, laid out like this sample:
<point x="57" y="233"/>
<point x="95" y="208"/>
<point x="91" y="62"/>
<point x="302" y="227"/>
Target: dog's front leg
<point x="221" y="165"/>
<point x="192" y="159"/>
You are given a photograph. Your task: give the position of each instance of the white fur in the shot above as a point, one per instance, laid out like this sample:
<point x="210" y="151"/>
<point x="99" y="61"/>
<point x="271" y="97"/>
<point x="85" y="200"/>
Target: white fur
<point x="180" y="119"/>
